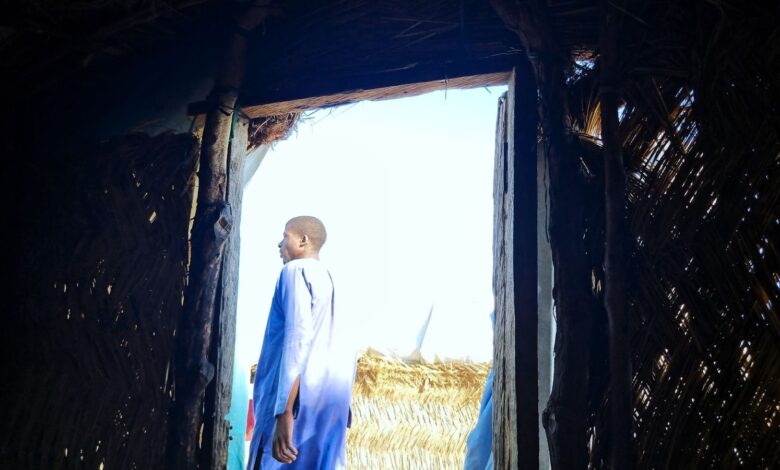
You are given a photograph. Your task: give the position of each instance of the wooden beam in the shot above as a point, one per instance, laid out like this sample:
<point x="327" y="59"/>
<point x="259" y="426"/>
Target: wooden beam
<point x="616" y="252"/>
<point x="523" y="120"/>
<point x="193" y="366"/>
<point x="515" y="386"/>
<point x="565" y="417"/>
<point x="504" y="420"/>
<point x="225" y="335"/>
<point x="566" y="413"/>
<point x="211" y="229"/>
<point x="385" y="93"/>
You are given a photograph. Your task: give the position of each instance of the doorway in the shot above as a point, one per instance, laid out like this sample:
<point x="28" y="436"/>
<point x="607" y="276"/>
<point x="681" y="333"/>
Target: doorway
<point x="405" y="188"/>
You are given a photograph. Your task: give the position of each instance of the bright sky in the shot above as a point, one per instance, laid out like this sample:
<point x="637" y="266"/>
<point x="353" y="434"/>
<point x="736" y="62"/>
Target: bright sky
<point x="404" y="188"/>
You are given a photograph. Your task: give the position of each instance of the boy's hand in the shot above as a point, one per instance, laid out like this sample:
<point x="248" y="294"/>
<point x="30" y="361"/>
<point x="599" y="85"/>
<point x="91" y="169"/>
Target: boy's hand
<point x="283" y="449"/>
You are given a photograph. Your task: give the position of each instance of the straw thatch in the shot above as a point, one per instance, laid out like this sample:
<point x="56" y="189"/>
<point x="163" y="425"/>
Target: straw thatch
<point x="309" y="49"/>
<point x="267" y="130"/>
<point x="317" y="49"/>
<point x="46" y="42"/>
<point x="413" y="415"/>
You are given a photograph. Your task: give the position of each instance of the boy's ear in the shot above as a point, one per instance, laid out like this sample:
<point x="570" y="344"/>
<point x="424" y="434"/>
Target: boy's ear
<point x="304" y="239"/>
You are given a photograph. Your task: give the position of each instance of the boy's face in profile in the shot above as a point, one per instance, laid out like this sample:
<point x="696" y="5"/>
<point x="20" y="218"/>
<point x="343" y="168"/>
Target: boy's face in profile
<point x="291" y="247"/>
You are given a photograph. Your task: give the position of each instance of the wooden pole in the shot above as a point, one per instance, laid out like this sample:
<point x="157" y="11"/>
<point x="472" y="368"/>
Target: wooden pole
<point x="564" y="418"/>
<point x="615" y="248"/>
<point x="516" y="378"/>
<point x="504" y="420"/>
<point x="524" y="122"/>
<point x="225" y="336"/>
<point x="211" y="229"/>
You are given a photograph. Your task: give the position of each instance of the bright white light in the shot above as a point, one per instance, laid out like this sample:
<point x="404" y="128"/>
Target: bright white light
<point x="404" y="188"/>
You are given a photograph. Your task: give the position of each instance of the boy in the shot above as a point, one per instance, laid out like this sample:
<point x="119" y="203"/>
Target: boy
<point x="303" y="385"/>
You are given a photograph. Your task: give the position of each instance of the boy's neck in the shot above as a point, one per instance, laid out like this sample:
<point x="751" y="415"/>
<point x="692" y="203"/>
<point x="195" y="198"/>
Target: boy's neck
<point x="308" y="256"/>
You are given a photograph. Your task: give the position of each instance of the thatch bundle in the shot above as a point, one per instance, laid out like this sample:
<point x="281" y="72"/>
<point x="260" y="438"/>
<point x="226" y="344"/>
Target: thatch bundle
<point x="269" y="129"/>
<point x="413" y="415"/>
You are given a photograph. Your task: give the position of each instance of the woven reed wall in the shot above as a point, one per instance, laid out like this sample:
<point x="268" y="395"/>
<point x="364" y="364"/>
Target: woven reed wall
<point x="703" y="164"/>
<point x="705" y="213"/>
<point x="99" y="299"/>
<point x="413" y="416"/>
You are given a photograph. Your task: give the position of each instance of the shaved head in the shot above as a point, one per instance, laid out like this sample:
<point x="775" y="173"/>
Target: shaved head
<point x="311" y="227"/>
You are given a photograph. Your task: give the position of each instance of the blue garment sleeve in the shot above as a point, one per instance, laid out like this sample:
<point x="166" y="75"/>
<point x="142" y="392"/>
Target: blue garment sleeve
<point x="295" y="298"/>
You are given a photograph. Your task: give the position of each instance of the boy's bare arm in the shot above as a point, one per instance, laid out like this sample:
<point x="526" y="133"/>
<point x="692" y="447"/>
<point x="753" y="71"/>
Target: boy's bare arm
<point x="283" y="449"/>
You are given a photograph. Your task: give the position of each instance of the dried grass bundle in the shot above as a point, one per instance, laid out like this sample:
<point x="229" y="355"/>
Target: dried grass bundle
<point x="413" y="415"/>
<point x="270" y="129"/>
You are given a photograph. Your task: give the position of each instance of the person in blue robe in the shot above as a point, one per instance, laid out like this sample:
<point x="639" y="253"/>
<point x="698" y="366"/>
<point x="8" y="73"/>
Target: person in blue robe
<point x="303" y="385"/>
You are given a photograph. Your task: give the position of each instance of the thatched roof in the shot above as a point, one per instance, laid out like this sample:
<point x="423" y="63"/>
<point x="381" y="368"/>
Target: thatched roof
<point x="309" y="49"/>
<point x="44" y="42"/>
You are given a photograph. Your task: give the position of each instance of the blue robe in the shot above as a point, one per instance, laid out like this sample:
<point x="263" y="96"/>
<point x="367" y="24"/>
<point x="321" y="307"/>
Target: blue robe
<point x="479" y="445"/>
<point x="303" y="338"/>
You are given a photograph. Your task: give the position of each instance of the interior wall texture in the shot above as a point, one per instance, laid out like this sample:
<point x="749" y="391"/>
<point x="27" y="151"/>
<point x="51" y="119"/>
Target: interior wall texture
<point x="95" y="307"/>
<point x="99" y="179"/>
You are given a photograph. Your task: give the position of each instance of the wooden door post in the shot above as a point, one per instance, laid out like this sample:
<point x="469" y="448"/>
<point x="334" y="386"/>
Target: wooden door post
<point x="194" y="364"/>
<point x="515" y="367"/>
